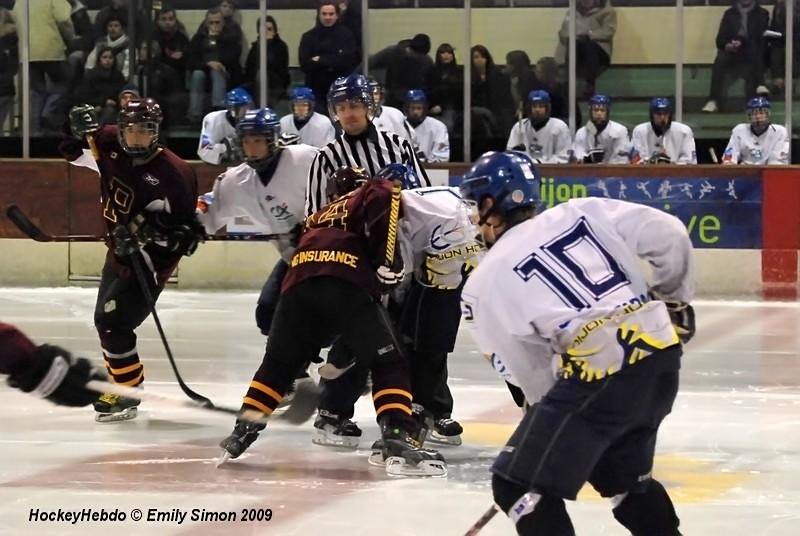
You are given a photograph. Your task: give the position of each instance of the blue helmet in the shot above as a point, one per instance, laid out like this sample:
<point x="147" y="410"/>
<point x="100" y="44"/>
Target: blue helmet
<point x="600" y="100"/>
<point x="261" y="122"/>
<point x="539" y="96"/>
<point x="510" y="178"/>
<point x="400" y="172"/>
<point x="237" y="101"/>
<point x="302" y="95"/>
<point x="757" y="103"/>
<point x="660" y="104"/>
<point x="354" y="88"/>
<point x="416" y="96"/>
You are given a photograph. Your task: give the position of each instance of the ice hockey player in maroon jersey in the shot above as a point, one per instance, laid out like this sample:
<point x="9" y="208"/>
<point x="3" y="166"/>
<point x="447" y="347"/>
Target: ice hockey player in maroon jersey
<point x="333" y="287"/>
<point x="148" y="197"/>
<point x="46" y="371"/>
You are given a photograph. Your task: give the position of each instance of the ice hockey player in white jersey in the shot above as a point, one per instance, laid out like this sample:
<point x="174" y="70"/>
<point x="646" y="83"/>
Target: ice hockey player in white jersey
<point x="757" y="142"/>
<point x="544" y="138"/>
<point x="269" y="189"/>
<point x="601" y="141"/>
<point x="313" y="128"/>
<point x="662" y="140"/>
<point x="389" y="118"/>
<point x="218" y="135"/>
<point x="561" y="303"/>
<point x="432" y="138"/>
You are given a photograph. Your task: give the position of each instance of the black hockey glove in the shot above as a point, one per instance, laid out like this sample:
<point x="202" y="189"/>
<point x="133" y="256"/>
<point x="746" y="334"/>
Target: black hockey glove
<point x="682" y="316"/>
<point x="594" y="156"/>
<point x="185" y="238"/>
<point x="57" y="376"/>
<point x="83" y="120"/>
<point x="125" y="242"/>
<point x="660" y="159"/>
<point x="391" y="276"/>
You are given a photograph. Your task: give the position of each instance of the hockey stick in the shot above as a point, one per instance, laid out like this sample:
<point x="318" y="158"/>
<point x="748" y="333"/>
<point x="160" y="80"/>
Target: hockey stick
<point x="300" y="409"/>
<point x="394" y="214"/>
<point x="24" y="224"/>
<point x="479" y="524"/>
<point x="713" y="154"/>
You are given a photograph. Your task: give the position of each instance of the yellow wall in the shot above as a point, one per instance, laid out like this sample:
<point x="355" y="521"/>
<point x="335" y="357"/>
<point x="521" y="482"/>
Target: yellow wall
<point x="644" y="34"/>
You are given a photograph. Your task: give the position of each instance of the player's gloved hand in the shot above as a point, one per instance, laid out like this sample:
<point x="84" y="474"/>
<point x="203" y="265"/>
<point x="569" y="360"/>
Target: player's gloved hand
<point x="233" y="150"/>
<point x="594" y="156"/>
<point x="682" y="316"/>
<point x="204" y="202"/>
<point x="56" y="375"/>
<point x="294" y="235"/>
<point x="125" y="243"/>
<point x="519" y="147"/>
<point x="660" y="159"/>
<point x="83" y="120"/>
<point x="288" y="138"/>
<point x="390" y="277"/>
<point x="185" y="237"/>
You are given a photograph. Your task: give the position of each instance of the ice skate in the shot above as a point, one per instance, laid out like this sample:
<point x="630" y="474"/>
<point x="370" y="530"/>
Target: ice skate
<point x="330" y="430"/>
<point x="114" y="408"/>
<point x="243" y="435"/>
<point x="446" y="432"/>
<point x="402" y="453"/>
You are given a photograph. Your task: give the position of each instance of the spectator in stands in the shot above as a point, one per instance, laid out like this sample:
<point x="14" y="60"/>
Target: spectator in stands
<point x="102" y="85"/>
<point x="233" y="19"/>
<point x="9" y="63"/>
<point x="119" y="9"/>
<point x="116" y="39"/>
<point x="407" y="66"/>
<point x="277" y="63"/>
<point x="491" y="90"/>
<point x="523" y="79"/>
<point x="79" y="47"/>
<point x="128" y="93"/>
<point x="740" y="50"/>
<point x="169" y="52"/>
<point x="446" y="87"/>
<point x="595" y="25"/>
<point x="214" y="53"/>
<point x="350" y="18"/>
<point x="326" y="52"/>
<point x="662" y="140"/>
<point x="777" y="46"/>
<point x="50" y="26"/>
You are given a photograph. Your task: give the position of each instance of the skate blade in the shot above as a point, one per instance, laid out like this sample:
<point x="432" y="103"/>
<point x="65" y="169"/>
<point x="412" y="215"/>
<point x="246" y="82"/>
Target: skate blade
<point x="376" y="458"/>
<point x="346" y="442"/>
<point x="449" y="441"/>
<point x="125" y="415"/>
<point x="224" y="457"/>
<point x="398" y="466"/>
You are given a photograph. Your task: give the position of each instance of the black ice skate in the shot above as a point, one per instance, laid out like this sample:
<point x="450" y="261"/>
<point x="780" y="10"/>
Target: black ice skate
<point x="446" y="432"/>
<point x="402" y="453"/>
<point x="243" y="435"/>
<point x="114" y="408"/>
<point x="330" y="430"/>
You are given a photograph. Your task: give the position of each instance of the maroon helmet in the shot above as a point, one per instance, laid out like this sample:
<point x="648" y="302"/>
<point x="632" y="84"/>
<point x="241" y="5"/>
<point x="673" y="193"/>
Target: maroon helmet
<point x="145" y="112"/>
<point x="345" y="180"/>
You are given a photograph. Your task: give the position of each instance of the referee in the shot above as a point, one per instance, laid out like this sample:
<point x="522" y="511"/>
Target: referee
<point x="360" y="144"/>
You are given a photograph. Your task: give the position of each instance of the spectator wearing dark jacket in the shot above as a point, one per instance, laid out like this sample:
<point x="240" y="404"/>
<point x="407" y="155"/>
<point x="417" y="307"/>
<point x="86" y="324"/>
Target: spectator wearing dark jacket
<point x="446" y="87"/>
<point x="407" y="65"/>
<point x="170" y="48"/>
<point x="116" y="39"/>
<point x="277" y="64"/>
<point x="350" y="18"/>
<point x="326" y="52"/>
<point x="9" y="63"/>
<point x="491" y="90"/>
<point x="101" y="86"/>
<point x="777" y="47"/>
<point x="740" y="50"/>
<point x="523" y="80"/>
<point x="79" y="47"/>
<point x="214" y="53"/>
<point x="119" y="10"/>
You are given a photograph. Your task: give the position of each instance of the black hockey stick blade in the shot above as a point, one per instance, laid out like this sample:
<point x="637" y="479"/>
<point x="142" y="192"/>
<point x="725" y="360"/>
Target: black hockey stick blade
<point x="306" y="399"/>
<point x="25" y="225"/>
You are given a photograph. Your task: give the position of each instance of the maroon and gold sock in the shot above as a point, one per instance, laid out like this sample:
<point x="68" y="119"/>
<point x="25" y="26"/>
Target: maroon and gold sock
<point x="124" y="369"/>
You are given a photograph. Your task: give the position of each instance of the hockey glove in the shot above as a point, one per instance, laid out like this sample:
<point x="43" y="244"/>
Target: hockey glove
<point x="57" y="376"/>
<point x="125" y="242"/>
<point x="390" y="277"/>
<point x="83" y="120"/>
<point x="594" y="156"/>
<point x="519" y="147"/>
<point x="660" y="159"/>
<point x="204" y="202"/>
<point x="682" y="316"/>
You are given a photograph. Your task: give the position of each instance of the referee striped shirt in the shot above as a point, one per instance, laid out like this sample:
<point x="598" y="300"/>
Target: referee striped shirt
<point x="372" y="151"/>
